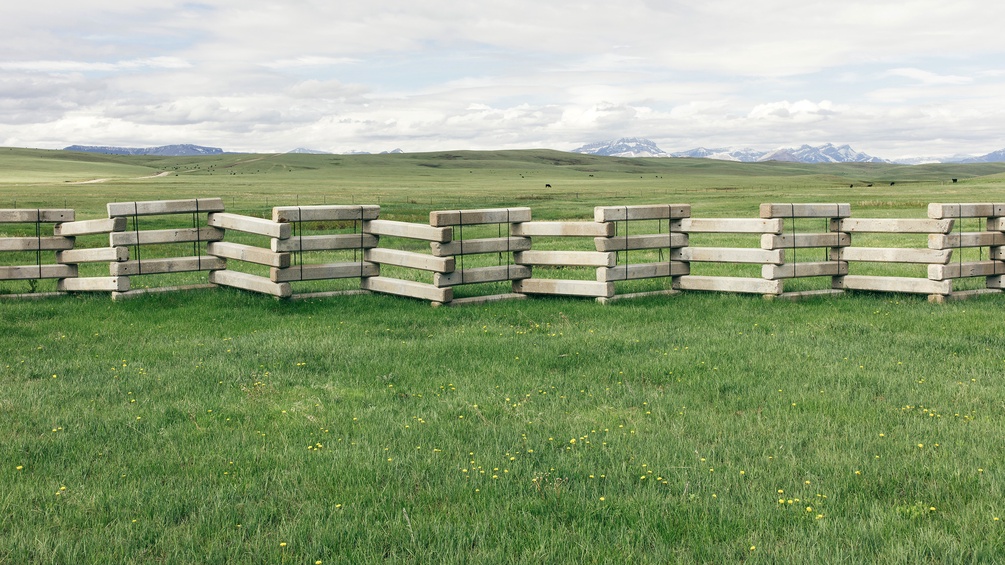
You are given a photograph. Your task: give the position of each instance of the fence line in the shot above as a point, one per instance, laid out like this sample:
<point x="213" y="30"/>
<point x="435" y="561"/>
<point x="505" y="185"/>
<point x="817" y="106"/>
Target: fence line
<point x="628" y="219"/>
<point x="623" y="250"/>
<point x="37" y="244"/>
<point x="505" y="247"/>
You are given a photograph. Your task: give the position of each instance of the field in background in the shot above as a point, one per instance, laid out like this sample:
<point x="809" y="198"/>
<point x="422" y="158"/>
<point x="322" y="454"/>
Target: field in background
<point x="218" y="426"/>
<point x="408" y="186"/>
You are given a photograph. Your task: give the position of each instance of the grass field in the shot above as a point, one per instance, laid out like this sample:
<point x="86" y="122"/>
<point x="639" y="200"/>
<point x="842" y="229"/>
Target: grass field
<point x="408" y="186"/>
<point x="219" y="426"/>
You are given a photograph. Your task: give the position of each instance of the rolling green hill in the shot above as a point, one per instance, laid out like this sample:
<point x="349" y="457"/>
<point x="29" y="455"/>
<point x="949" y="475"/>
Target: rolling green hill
<point x="409" y="185"/>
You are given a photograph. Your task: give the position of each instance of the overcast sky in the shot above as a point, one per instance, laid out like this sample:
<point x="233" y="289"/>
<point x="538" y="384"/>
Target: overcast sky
<point x="891" y="78"/>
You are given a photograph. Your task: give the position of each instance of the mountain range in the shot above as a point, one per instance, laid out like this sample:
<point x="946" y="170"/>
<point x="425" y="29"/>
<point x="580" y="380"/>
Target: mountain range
<point x="189" y="150"/>
<point x="623" y="147"/>
<point x="317" y="152"/>
<point x="183" y="150"/>
<point x="391" y="152"/>
<point x="993" y="157"/>
<point x="827" y="153"/>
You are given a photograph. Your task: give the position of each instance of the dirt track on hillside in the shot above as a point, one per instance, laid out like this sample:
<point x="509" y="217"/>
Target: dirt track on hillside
<point x="96" y="181"/>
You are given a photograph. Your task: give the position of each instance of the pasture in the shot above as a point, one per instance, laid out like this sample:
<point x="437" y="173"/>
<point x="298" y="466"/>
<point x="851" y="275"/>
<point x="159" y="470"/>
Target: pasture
<point x="220" y="426"/>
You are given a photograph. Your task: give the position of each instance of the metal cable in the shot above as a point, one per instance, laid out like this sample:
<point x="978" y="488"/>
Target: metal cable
<point x="959" y="233"/>
<point x="626" y="242"/>
<point x="460" y="225"/>
<point x="792" y="218"/>
<point x="509" y="227"/>
<point x="300" y="239"/>
<point x="669" y="243"/>
<point x="38" y="240"/>
<point x="991" y="257"/>
<point x="197" y="244"/>
<point x="136" y="244"/>
<point x="361" y="251"/>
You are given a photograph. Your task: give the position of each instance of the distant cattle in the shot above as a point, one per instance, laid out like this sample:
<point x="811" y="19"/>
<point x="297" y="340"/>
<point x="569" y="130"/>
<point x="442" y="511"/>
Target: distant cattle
<point x="954" y="181"/>
<point x="891" y="184"/>
<point x="547" y="186"/>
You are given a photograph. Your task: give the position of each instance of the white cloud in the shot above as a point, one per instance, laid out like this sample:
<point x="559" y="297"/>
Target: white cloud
<point x="310" y="61"/>
<point x="928" y="77"/>
<point x="68" y="66"/>
<point x="265" y="75"/>
<point x="801" y="111"/>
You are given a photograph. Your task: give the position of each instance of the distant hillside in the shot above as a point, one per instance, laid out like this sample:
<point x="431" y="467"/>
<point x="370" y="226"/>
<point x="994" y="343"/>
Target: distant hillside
<point x="504" y="176"/>
<point x="184" y="150"/>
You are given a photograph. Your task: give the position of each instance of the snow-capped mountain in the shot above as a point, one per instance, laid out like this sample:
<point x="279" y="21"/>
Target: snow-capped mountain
<point x="306" y="151"/>
<point x="721" y="153"/>
<point x="641" y="147"/>
<point x="624" y="147"/>
<point x="993" y="157"/>
<point x="396" y="151"/>
<point x="745" y="155"/>
<point x="827" y="153"/>
<point x="927" y="160"/>
<point x="183" y="150"/>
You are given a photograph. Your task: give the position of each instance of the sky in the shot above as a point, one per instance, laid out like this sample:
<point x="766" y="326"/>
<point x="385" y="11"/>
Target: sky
<point x="891" y="78"/>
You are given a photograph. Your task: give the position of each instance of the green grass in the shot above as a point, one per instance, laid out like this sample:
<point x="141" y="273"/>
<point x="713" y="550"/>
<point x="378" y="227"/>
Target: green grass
<point x="408" y="186"/>
<point x="217" y="426"/>
<point x="214" y="426"/>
